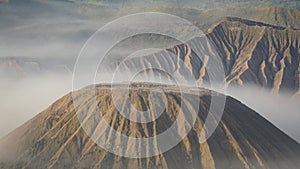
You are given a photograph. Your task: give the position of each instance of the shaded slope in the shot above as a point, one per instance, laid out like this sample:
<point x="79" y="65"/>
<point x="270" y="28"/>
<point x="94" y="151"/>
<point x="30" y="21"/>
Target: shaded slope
<point x="54" y="138"/>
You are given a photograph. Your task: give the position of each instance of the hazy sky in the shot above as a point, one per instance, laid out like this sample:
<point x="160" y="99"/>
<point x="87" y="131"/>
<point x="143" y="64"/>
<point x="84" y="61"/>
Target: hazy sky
<point x="47" y="29"/>
<point x="190" y="3"/>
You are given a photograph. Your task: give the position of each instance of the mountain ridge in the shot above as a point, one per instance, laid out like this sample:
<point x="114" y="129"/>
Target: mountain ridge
<point x="252" y="53"/>
<point x="271" y="51"/>
<point x="249" y="22"/>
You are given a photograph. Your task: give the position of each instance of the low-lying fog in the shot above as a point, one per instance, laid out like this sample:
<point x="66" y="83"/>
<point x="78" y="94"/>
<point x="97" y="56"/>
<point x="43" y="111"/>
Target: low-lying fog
<point x="23" y="99"/>
<point x="281" y="110"/>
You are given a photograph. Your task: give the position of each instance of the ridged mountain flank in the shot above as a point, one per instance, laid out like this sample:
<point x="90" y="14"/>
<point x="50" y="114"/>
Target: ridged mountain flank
<point x="258" y="53"/>
<point x="55" y="138"/>
<point x="252" y="53"/>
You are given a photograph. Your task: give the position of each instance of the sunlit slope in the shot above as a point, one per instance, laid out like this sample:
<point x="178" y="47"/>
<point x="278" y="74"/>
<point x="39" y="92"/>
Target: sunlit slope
<point x="55" y="139"/>
<point x="252" y="53"/>
<point x="257" y="53"/>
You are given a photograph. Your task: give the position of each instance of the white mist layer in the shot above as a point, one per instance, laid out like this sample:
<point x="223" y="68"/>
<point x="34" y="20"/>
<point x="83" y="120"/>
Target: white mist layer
<point x="23" y="99"/>
<point x="281" y="110"/>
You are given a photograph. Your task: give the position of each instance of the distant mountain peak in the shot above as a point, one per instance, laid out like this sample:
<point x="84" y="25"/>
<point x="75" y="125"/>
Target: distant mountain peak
<point x="258" y="53"/>
<point x="235" y="21"/>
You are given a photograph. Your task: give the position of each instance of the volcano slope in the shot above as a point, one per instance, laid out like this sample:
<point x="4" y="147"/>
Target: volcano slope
<point x="258" y="53"/>
<point x="252" y="53"/>
<point x="55" y="138"/>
